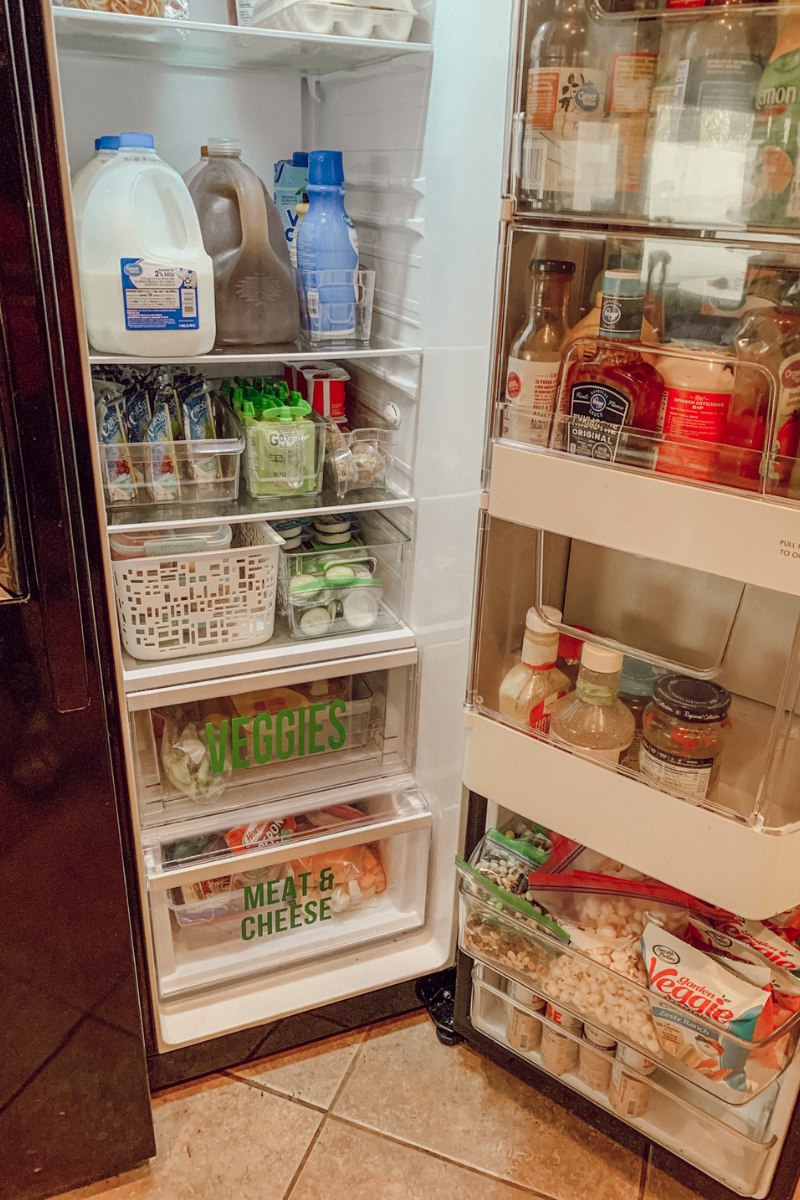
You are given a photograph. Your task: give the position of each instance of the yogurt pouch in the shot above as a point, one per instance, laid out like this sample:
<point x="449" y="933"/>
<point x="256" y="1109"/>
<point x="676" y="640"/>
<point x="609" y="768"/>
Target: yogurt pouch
<point x="164" y="483"/>
<point x="686" y="984"/>
<point x="121" y="486"/>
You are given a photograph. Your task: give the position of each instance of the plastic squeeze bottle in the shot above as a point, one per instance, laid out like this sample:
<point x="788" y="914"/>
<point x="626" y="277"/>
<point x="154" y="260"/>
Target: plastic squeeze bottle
<point x="327" y="251"/>
<point x="255" y="293"/>
<point x="592" y="718"/>
<point x="147" y="282"/>
<point x="105" y="148"/>
<point x="532" y="687"/>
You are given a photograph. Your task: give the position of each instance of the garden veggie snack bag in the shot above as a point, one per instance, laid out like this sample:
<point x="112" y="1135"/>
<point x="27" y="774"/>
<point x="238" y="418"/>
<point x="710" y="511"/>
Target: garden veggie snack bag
<point x="757" y="935"/>
<point x="697" y="986"/>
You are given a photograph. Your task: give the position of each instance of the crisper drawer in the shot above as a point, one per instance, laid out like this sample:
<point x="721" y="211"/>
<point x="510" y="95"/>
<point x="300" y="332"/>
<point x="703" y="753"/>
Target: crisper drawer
<point x="586" y="988"/>
<point x="259" y="739"/>
<point x="289" y="882"/>
<point x="733" y="1145"/>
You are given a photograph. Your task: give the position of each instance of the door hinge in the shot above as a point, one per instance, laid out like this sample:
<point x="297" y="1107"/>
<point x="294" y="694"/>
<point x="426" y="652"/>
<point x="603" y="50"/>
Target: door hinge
<point x="508" y="208"/>
<point x="484" y="501"/>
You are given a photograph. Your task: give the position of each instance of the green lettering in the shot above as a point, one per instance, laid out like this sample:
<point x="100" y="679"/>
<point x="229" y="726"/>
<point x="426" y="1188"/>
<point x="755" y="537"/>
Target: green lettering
<point x="238" y="742"/>
<point x="326" y="879"/>
<point x="301" y="732"/>
<point x="264" y="923"/>
<point x="262" y="756"/>
<point x="324" y="915"/>
<point x="289" y="890"/>
<point x="295" y="911"/>
<point x="336" y="743"/>
<point x="248" y="937"/>
<point x="217" y="750"/>
<point x="272" y="891"/>
<point x="284" y="716"/>
<point x="280" y="916"/>
<point x="315" y="727"/>
<point x="311" y="912"/>
<point x="305" y="876"/>
<point x="253" y="897"/>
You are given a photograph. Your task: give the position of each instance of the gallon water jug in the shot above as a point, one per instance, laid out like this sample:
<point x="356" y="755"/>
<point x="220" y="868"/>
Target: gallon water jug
<point x="105" y="148"/>
<point x="148" y="284"/>
<point x="254" y="286"/>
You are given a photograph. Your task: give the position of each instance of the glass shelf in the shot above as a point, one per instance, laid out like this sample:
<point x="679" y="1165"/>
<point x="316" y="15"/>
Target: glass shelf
<point x="221" y="47"/>
<point x="297" y="351"/>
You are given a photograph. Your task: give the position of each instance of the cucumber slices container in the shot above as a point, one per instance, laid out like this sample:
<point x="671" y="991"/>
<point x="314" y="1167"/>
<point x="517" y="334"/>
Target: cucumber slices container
<point x="351" y="588"/>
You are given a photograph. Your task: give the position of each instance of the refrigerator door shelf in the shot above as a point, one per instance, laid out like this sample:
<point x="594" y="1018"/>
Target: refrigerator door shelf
<point x="740" y="867"/>
<point x="732" y="1145"/>
<point x="298" y="900"/>
<point x="753" y="539"/>
<point x="514" y="944"/>
<point x="268" y="743"/>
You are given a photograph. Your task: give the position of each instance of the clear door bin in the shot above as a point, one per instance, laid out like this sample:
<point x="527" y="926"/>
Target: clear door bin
<point x="196" y="472"/>
<point x="231" y="751"/>
<point x="196" y="590"/>
<point x="730" y="1144"/>
<point x="285" y="458"/>
<point x="349" y="588"/>
<point x="359" y="459"/>
<point x="537" y="955"/>
<point x="289" y="882"/>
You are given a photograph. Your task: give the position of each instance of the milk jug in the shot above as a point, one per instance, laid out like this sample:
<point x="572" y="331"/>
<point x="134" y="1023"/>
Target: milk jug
<point x="256" y="298"/>
<point x="105" y="148"/>
<point x="148" y="284"/>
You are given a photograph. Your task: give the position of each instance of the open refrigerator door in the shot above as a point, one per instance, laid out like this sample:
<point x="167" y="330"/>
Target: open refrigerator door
<point x="634" y="676"/>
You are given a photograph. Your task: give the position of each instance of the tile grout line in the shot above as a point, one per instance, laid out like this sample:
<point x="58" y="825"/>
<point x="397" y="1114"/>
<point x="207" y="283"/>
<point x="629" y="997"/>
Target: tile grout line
<point x="645" y="1172"/>
<point x="262" y="1087"/>
<point x="389" y="1137"/>
<point x="306" y="1155"/>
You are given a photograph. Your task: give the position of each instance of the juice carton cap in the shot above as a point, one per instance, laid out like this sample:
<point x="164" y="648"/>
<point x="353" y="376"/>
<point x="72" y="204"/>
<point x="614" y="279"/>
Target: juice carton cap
<point x="325" y="168"/>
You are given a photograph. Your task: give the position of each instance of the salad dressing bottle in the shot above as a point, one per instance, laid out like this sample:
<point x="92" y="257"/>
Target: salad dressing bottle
<point x="593" y="718"/>
<point x="535" y="684"/>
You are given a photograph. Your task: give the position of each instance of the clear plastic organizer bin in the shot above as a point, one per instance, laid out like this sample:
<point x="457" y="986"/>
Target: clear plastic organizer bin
<point x="178" y="598"/>
<point x="359" y="459"/>
<point x="285" y="458"/>
<point x="536" y="956"/>
<point x="290" y="881"/>
<point x="200" y="472"/>
<point x="348" y="588"/>
<point x="702" y="386"/>
<point x="391" y="21"/>
<point x="730" y="1144"/>
<point x="237" y="748"/>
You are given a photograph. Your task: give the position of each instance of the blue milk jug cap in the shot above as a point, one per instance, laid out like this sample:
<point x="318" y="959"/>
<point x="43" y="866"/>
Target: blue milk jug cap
<point x="299" y="159"/>
<point x="325" y="168"/>
<point x="106" y="142"/>
<point x="141" y="141"/>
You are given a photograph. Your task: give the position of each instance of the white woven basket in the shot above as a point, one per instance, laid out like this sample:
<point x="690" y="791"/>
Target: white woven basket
<point x="196" y="603"/>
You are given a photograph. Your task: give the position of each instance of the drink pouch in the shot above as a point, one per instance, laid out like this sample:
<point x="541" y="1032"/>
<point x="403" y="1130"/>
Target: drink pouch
<point x="687" y="984"/>
<point x="121" y="486"/>
<point x="164" y="482"/>
<point x="198" y="425"/>
<point x="137" y="414"/>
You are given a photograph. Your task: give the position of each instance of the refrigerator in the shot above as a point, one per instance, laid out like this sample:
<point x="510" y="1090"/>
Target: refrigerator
<point x="353" y="755"/>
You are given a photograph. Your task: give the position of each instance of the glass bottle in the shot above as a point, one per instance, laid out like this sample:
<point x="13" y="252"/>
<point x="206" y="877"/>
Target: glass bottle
<point x="634" y="56"/>
<point x="565" y="90"/>
<point x="592" y="718"/>
<point x="685" y="728"/>
<point x="534" y="359"/>
<point x="616" y="389"/>
<point x="721" y="73"/>
<point x="534" y="685"/>
<point x="783" y="476"/>
<point x="635" y="691"/>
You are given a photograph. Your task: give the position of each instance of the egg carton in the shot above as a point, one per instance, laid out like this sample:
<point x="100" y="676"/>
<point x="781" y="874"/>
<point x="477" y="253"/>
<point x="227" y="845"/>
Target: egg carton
<point x="391" y="21"/>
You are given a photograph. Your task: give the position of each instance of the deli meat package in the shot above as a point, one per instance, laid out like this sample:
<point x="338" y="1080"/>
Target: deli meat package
<point x="733" y="991"/>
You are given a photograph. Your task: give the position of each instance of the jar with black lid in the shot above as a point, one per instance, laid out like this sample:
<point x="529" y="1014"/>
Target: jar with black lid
<point x="684" y="731"/>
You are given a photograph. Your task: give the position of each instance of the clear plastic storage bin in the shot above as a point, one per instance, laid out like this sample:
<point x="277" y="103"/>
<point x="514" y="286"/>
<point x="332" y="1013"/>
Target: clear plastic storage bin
<point x="205" y="472"/>
<point x="285" y="458"/>
<point x="290" y="881"/>
<point x="346" y="589"/>
<point x="359" y="459"/>
<point x="177" y="597"/>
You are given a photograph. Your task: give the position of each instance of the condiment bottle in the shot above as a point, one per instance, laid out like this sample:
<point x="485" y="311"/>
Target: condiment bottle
<point x="684" y="731"/>
<point x="569" y="657"/>
<point x="635" y="691"/>
<point x="534" y="359"/>
<point x="534" y="685"/>
<point x="604" y="396"/>
<point x="592" y="718"/>
<point x="524" y="1030"/>
<point x="697" y="395"/>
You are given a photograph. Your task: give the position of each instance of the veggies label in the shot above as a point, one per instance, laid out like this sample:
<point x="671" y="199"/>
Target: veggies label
<point x="255" y="741"/>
